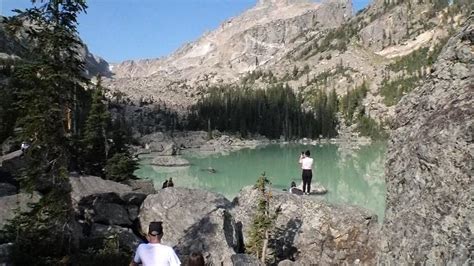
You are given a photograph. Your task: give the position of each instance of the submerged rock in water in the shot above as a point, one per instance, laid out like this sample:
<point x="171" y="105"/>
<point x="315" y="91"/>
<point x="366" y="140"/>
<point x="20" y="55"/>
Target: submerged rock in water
<point x="429" y="217"/>
<point x="170" y="161"/>
<point x="210" y="170"/>
<point x="310" y="231"/>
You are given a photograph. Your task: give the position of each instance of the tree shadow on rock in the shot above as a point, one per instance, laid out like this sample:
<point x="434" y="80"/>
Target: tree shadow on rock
<point x="283" y="238"/>
<point x="209" y="237"/>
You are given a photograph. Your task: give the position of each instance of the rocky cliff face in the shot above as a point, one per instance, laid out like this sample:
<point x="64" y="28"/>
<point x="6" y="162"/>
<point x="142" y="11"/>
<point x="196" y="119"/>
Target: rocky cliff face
<point x="429" y="217"/>
<point x="16" y="47"/>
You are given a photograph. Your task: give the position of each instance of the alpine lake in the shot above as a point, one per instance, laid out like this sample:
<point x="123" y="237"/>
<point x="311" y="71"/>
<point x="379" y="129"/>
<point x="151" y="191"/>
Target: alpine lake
<point x="351" y="176"/>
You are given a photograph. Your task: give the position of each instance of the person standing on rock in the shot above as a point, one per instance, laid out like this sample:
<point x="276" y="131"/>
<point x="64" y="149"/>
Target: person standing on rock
<point x="307" y="171"/>
<point x="154" y="253"/>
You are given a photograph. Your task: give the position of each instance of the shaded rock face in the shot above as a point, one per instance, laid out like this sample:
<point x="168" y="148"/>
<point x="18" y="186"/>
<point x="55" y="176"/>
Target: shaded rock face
<point x="106" y="209"/>
<point x="310" y="231"/>
<point x="7" y="189"/>
<point x="84" y="186"/>
<point x="194" y="220"/>
<point x="11" y="165"/>
<point x="126" y="237"/>
<point x="104" y="201"/>
<point x="5" y="253"/>
<point x="16" y="47"/>
<point x="8" y="205"/>
<point x="429" y="217"/>
<point x="244" y="260"/>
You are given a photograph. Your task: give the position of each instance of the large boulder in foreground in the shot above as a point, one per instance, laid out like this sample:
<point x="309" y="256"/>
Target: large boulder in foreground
<point x="107" y="210"/>
<point x="193" y="220"/>
<point x="104" y="201"/>
<point x="84" y="186"/>
<point x="429" y="170"/>
<point x="312" y="231"/>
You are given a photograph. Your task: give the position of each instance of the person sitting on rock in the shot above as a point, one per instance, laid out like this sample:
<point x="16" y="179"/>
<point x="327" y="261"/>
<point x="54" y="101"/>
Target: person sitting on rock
<point x="155" y="253"/>
<point x="294" y="189"/>
<point x="165" y="184"/>
<point x="170" y="182"/>
<point x="24" y="146"/>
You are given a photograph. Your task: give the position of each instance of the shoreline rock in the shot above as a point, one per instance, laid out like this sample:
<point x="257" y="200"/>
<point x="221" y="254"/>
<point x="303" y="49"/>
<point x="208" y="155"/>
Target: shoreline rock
<point x="196" y="143"/>
<point x="170" y="161"/>
<point x="311" y="231"/>
<point x="316" y="188"/>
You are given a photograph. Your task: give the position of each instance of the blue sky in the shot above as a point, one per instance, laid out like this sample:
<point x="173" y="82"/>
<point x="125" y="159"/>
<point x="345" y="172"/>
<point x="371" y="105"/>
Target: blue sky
<point x="118" y="30"/>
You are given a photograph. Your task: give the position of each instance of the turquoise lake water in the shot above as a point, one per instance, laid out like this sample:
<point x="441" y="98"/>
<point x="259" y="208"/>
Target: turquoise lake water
<point x="354" y="177"/>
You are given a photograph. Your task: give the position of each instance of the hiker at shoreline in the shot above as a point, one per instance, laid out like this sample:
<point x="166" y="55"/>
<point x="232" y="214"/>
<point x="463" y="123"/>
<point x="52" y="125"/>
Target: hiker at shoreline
<point x="168" y="183"/>
<point x="307" y="171"/>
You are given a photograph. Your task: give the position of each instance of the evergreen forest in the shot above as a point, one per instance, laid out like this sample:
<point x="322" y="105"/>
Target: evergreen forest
<point x="273" y="112"/>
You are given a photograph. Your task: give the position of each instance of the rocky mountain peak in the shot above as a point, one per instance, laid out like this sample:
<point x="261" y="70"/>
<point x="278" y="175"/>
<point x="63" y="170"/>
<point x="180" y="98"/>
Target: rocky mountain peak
<point x="281" y="2"/>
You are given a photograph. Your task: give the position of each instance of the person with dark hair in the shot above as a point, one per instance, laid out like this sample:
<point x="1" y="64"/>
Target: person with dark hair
<point x="154" y="253"/>
<point x="165" y="184"/>
<point x="294" y="189"/>
<point x="170" y="182"/>
<point x="307" y="171"/>
<point x="195" y="259"/>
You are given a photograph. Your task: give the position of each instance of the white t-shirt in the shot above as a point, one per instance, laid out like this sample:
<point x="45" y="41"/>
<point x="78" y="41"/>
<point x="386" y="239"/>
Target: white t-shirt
<point x="156" y="255"/>
<point x="306" y="163"/>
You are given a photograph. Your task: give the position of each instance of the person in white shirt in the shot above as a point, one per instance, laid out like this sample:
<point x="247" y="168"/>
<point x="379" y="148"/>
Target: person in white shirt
<point x="154" y="253"/>
<point x="307" y="174"/>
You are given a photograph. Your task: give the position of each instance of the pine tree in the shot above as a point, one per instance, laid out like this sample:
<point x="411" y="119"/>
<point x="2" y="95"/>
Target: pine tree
<point x="45" y="86"/>
<point x="263" y="222"/>
<point x="120" y="167"/>
<point x="95" y="136"/>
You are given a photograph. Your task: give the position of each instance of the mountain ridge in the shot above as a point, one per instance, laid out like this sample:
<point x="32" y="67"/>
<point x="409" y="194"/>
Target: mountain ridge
<point x="209" y="46"/>
<point x="313" y="47"/>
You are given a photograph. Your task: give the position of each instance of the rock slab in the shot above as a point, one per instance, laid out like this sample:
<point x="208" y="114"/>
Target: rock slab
<point x="311" y="231"/>
<point x="193" y="220"/>
<point x="429" y="169"/>
<point x="9" y="204"/>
